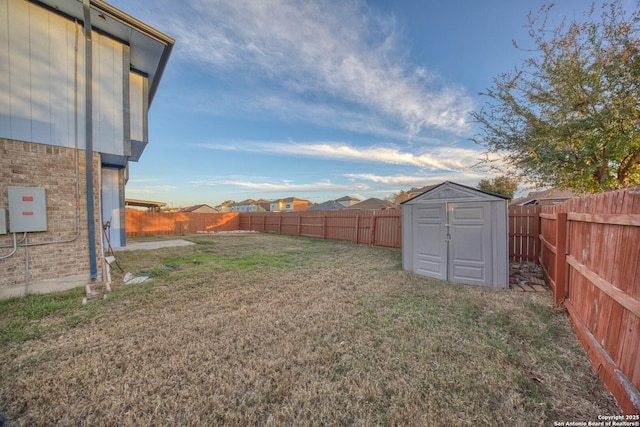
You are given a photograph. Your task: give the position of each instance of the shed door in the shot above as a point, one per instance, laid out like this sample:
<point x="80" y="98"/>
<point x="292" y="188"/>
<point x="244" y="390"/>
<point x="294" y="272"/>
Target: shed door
<point x="470" y="245"/>
<point x="429" y="247"/>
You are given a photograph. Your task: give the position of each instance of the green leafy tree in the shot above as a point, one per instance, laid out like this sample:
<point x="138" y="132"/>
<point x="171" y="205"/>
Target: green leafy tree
<point x="503" y="185"/>
<point x="569" y="117"/>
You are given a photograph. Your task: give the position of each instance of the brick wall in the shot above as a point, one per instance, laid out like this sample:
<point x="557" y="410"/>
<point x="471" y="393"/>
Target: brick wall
<point x="55" y="262"/>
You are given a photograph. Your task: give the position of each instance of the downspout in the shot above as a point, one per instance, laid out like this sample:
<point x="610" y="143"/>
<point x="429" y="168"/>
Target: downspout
<point x="91" y="229"/>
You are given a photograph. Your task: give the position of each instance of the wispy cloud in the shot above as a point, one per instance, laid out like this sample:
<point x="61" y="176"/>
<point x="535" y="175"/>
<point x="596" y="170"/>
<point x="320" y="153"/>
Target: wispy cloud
<point x="440" y="158"/>
<point x="256" y="184"/>
<point x="407" y="181"/>
<point x="334" y="51"/>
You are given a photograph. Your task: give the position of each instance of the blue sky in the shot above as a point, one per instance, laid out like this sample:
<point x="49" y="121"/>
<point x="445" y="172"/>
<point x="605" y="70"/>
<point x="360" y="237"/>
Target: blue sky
<point x="321" y="99"/>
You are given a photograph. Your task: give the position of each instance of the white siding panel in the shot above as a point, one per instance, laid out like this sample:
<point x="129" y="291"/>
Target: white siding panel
<point x="42" y="73"/>
<point x="63" y="73"/>
<point x="37" y="68"/>
<point x="136" y="106"/>
<point x="19" y="71"/>
<point x="107" y="95"/>
<point x="5" y="85"/>
<point x="39" y="40"/>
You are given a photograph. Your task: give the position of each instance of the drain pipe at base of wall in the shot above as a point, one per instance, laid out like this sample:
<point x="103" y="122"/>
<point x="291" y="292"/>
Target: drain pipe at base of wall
<point x="91" y="228"/>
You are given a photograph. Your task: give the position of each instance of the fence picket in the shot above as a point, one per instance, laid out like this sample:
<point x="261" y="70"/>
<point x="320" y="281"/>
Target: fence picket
<point x="602" y="290"/>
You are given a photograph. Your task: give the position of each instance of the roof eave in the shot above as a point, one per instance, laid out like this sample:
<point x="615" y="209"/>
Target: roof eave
<point x="145" y="29"/>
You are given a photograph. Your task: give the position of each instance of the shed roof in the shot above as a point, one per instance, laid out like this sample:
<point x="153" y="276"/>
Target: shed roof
<point x="449" y="191"/>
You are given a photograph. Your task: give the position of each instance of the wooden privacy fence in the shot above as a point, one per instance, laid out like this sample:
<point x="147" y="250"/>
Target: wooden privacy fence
<point x="380" y="228"/>
<point x="524" y="233"/>
<point x="590" y="255"/>
<point x="167" y="223"/>
<point x="376" y="227"/>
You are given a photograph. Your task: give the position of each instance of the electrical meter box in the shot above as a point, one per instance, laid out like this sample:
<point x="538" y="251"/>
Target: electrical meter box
<point x="27" y="209"/>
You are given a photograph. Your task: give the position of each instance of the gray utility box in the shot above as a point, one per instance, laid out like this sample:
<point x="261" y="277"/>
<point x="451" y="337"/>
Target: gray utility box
<point x="27" y="209"/>
<point x="3" y="221"/>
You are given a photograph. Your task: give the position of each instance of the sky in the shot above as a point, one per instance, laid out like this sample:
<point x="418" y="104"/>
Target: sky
<point x="324" y="98"/>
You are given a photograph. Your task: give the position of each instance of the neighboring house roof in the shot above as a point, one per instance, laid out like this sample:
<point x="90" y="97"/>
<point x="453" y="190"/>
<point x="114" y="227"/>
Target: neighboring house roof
<point x="150" y="49"/>
<point x="264" y="204"/>
<point x="348" y="200"/>
<point x="199" y="208"/>
<point x="245" y="202"/>
<point x="144" y="203"/>
<point x="372" y="204"/>
<point x="289" y="200"/>
<point x="545" y="197"/>
<point x="329" y="205"/>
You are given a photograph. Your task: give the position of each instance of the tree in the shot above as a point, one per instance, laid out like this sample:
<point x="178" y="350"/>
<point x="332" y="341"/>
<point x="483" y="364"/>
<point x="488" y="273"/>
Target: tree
<point x="401" y="196"/>
<point x="569" y="117"/>
<point x="503" y="185"/>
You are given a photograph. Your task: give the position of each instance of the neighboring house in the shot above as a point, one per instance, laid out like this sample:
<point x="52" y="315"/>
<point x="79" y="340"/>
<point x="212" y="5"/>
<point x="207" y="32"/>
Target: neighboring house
<point x="199" y="209"/>
<point x="289" y="204"/>
<point x="225" y="206"/>
<point x="250" y="205"/>
<point x="372" y="204"/>
<point x="329" y="205"/>
<point x="547" y="197"/>
<point x="347" y="201"/>
<point x="76" y="82"/>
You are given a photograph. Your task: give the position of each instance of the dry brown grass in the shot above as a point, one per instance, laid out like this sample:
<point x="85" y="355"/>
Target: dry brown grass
<point x="271" y="330"/>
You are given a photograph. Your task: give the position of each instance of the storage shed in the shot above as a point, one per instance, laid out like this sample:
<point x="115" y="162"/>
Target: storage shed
<point x="456" y="233"/>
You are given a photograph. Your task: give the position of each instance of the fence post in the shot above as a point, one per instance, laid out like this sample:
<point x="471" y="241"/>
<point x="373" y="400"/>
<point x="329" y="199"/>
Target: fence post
<point x="536" y="234"/>
<point x="561" y="258"/>
<point x="324" y="227"/>
<point x="372" y="229"/>
<point x="399" y="231"/>
<point x="299" y="225"/>
<point x="357" y="228"/>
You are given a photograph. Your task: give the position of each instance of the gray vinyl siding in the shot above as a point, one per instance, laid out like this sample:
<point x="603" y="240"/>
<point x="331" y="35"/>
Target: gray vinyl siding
<point x="42" y="81"/>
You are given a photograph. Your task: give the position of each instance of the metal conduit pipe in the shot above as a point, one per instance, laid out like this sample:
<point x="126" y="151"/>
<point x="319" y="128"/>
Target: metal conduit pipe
<point x="89" y="141"/>
<point x="19" y="242"/>
<point x="26" y="266"/>
<point x="15" y="247"/>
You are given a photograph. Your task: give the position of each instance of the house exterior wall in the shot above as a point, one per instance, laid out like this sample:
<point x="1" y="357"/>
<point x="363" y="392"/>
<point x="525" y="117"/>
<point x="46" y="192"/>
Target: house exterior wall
<point x="27" y="164"/>
<point x="37" y="63"/>
<point x="43" y="123"/>
<point x="42" y="73"/>
<point x="289" y="205"/>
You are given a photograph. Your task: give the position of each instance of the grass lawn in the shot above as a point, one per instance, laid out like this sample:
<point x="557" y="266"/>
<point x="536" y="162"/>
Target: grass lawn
<point x="262" y="330"/>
